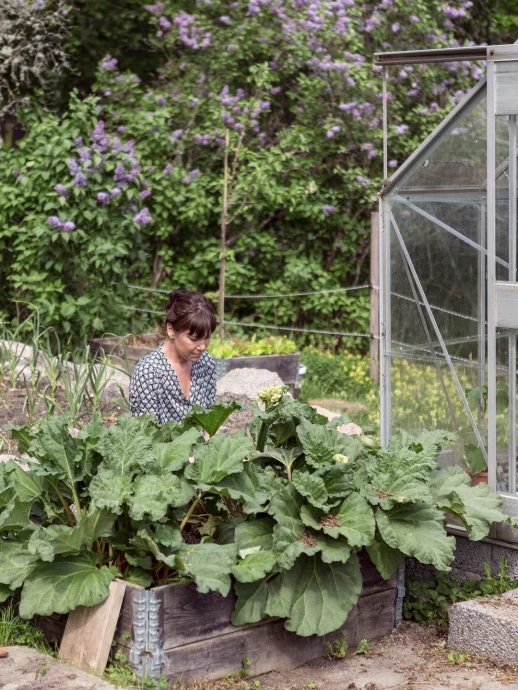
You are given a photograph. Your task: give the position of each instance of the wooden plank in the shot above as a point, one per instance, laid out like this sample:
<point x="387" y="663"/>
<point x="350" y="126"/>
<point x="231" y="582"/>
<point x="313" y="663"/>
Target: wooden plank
<point x="375" y="303"/>
<point x="89" y="631"/>
<point x="189" y="616"/>
<point x="270" y="646"/>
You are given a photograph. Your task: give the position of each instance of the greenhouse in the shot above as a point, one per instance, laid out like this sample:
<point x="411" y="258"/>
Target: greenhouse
<point x="448" y="276"/>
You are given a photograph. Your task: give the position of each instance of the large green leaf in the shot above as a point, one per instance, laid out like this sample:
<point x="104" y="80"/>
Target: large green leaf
<point x="5" y="593"/>
<point x="174" y="456"/>
<point x="254" y="534"/>
<point x="220" y="456"/>
<point x="312" y="487"/>
<point x="339" y="480"/>
<point x="59" y="454"/>
<point x="389" y="489"/>
<point x="254" y="566"/>
<point x="332" y="550"/>
<point x="478" y="507"/>
<point x="386" y="559"/>
<point x="353" y="520"/>
<point x="16" y="563"/>
<point x="125" y="446"/>
<point x="285" y="507"/>
<point x="110" y="489"/>
<point x="246" y="486"/>
<point x="98" y="523"/>
<point x="15" y="516"/>
<point x="475" y="458"/>
<point x="138" y="576"/>
<point x="56" y="540"/>
<point x="251" y="602"/>
<point x="314" y="596"/>
<point x="209" y="565"/>
<point x="447" y="480"/>
<point x="28" y="485"/>
<point x="417" y="530"/>
<point x="65" y="584"/>
<point x="211" y="420"/>
<point x="154" y="493"/>
<point x="320" y="444"/>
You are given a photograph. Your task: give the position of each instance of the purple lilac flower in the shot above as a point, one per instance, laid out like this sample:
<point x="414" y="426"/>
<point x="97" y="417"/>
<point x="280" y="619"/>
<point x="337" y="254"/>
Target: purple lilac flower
<point x="103" y="197"/>
<point x="453" y="12"/>
<point x="69" y="226"/>
<point x="143" y="217"/>
<point x="206" y="139"/>
<point x="197" y="138"/>
<point x="372" y="154"/>
<point x="157" y="8"/>
<point x="109" y="63"/>
<point x="73" y="167"/>
<point x="168" y="170"/>
<point x="392" y="163"/>
<point x="177" y="133"/>
<point x="414" y="19"/>
<point x="84" y="155"/>
<point x="122" y="128"/>
<point x="64" y="12"/>
<point x="276" y="90"/>
<point x="79" y="180"/>
<point x="362" y="180"/>
<point x="367" y="147"/>
<point x="98" y="132"/>
<point x="224" y="19"/>
<point x="231" y="48"/>
<point x="145" y="193"/>
<point x="161" y="100"/>
<point x="61" y="190"/>
<point x="401" y="129"/>
<point x="190" y="176"/>
<point x="78" y="142"/>
<point x="331" y="132"/>
<point x="16" y="173"/>
<point x="120" y="77"/>
<point x="164" y="23"/>
<point x="328" y="210"/>
<point x="54" y="222"/>
<point x="115" y="192"/>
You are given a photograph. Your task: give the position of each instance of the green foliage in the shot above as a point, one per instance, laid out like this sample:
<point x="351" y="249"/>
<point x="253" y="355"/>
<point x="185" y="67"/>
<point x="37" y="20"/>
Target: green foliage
<point x="457" y="658"/>
<point x="364" y="647"/>
<point x="283" y="510"/>
<point x="121" y="674"/>
<point x="279" y="345"/>
<point x="338" y="649"/>
<point x="344" y="376"/>
<point x="429" y="601"/>
<point x="14" y="631"/>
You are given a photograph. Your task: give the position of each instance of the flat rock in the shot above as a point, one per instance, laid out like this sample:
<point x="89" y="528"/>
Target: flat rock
<point x="26" y="669"/>
<point x="351" y="429"/>
<point x="486" y="627"/>
<point x="247" y="382"/>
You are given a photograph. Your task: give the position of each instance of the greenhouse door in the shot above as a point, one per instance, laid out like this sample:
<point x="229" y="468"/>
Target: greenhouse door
<point x="502" y="285"/>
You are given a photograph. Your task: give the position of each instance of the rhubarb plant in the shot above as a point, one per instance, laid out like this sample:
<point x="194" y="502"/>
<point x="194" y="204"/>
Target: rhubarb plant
<point x="279" y="511"/>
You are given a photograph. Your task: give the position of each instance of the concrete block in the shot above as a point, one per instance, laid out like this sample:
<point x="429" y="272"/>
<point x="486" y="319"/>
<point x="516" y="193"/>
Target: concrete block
<point x="470" y="556"/>
<point x="511" y="555"/>
<point x="486" y="627"/>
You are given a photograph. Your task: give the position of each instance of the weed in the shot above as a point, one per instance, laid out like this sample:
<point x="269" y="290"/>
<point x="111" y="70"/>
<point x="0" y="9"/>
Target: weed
<point x="245" y="663"/>
<point x="119" y="673"/>
<point x="338" y="650"/>
<point x="256" y="685"/>
<point x="364" y="647"/>
<point x="429" y="600"/>
<point x="311" y="686"/>
<point x="14" y="630"/>
<point x="43" y="670"/>
<point x="457" y="657"/>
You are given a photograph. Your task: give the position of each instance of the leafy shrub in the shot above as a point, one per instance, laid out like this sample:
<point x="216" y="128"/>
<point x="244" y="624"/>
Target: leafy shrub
<point x="279" y="345"/>
<point x="284" y="510"/>
<point x="428" y="601"/>
<point x="345" y="376"/>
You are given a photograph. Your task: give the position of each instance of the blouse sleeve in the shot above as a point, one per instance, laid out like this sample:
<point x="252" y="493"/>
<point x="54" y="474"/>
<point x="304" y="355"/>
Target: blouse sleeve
<point x="211" y="386"/>
<point x="143" y="396"/>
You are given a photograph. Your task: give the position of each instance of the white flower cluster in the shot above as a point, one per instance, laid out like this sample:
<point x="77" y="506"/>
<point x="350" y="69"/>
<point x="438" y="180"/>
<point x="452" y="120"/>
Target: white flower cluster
<point x="271" y="395"/>
<point x="341" y="458"/>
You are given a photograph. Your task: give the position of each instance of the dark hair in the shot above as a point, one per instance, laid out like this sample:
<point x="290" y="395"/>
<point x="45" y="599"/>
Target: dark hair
<point x="191" y="312"/>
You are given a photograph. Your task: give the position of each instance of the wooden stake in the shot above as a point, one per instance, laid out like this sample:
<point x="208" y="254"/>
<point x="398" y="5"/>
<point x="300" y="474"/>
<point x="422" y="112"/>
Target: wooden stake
<point x="375" y="302"/>
<point x="222" y="257"/>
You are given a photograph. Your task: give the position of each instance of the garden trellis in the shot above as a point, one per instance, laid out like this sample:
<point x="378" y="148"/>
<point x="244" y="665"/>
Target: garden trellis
<point x="448" y="273"/>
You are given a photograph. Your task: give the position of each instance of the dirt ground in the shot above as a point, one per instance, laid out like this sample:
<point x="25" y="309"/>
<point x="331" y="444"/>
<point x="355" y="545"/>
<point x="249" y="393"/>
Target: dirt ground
<point x="410" y="658"/>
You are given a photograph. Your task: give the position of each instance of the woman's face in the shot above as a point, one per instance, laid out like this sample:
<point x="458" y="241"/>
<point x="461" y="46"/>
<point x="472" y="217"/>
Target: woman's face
<point x="188" y="347"/>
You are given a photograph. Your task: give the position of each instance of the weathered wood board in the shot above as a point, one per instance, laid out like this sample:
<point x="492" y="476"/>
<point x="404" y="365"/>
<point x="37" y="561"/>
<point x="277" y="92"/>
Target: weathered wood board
<point x="89" y="632"/>
<point x="270" y="646"/>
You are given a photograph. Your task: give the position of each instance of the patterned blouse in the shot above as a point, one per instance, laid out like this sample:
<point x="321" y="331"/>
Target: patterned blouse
<point x="154" y="387"/>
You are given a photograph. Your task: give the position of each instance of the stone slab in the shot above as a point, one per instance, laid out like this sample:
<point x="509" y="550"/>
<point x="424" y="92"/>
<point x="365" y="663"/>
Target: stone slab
<point x="487" y="627"/>
<point x="27" y="669"/>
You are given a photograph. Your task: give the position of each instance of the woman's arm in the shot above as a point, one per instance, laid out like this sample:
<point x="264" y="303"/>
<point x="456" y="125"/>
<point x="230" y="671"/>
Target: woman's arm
<point x="143" y="395"/>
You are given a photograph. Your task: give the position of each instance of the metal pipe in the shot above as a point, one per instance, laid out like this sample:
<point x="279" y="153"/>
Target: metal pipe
<point x="491" y="278"/>
<point x="512" y="279"/>
<point x="385" y="126"/>
<point x="413" y="57"/>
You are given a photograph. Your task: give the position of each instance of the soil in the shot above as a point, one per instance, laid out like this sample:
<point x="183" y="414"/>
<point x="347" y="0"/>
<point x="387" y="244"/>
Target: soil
<point x="240" y="419"/>
<point x="410" y="658"/>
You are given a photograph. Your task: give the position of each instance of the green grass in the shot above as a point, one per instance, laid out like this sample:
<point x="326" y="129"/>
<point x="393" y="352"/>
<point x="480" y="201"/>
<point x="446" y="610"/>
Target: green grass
<point x="119" y="673"/>
<point x="16" y="631"/>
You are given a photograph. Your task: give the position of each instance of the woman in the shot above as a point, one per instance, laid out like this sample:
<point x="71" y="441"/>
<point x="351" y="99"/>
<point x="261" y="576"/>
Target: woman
<point x="180" y="373"/>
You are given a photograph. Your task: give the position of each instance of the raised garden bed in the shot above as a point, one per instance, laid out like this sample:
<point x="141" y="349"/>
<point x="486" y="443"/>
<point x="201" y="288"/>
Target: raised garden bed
<point x="178" y="633"/>
<point x="126" y="352"/>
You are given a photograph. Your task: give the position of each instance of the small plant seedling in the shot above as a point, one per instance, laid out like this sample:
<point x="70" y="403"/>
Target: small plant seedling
<point x="311" y="686"/>
<point x="43" y="670"/>
<point x="457" y="657"/>
<point x="256" y="685"/>
<point x="338" y="650"/>
<point x="364" y="647"/>
<point x="245" y="663"/>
